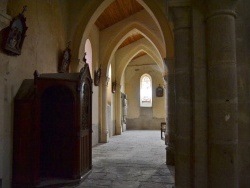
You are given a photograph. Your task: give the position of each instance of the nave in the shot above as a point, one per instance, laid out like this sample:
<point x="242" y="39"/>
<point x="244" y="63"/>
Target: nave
<point x="134" y="159"/>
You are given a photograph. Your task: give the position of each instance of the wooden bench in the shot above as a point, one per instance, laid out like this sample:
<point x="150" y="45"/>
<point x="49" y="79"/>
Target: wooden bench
<point x="163" y="128"/>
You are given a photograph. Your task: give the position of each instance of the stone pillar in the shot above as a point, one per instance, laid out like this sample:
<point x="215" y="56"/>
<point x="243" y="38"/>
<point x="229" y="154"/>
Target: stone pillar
<point x="118" y="114"/>
<point x="181" y="13"/>
<point x="170" y="116"/>
<point x="104" y="134"/>
<point x="199" y="97"/>
<point x="222" y="94"/>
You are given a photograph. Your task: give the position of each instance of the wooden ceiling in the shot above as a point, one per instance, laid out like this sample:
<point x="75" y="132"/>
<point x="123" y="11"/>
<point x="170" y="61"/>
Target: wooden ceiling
<point x="139" y="55"/>
<point x="116" y="12"/>
<point x="132" y="38"/>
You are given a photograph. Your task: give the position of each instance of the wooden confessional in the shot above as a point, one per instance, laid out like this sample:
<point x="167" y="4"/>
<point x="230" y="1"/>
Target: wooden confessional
<point x="52" y="135"/>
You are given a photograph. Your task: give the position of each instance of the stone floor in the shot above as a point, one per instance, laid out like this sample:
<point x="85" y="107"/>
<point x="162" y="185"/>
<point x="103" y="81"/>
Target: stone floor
<point x="135" y="159"/>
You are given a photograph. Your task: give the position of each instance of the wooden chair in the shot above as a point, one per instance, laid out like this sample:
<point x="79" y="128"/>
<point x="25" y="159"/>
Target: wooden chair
<point x="163" y="128"/>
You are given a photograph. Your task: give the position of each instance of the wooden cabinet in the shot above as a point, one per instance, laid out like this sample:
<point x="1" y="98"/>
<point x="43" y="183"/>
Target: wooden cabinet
<point x="52" y="135"/>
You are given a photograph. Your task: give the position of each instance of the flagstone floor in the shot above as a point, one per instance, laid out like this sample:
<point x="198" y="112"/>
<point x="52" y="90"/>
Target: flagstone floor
<point x="135" y="159"/>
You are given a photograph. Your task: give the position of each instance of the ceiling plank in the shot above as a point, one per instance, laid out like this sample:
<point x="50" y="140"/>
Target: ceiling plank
<point x="132" y="38"/>
<point x="117" y="11"/>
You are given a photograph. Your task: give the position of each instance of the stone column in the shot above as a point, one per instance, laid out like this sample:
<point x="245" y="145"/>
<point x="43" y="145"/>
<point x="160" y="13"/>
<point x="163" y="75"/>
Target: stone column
<point x="118" y="114"/>
<point x="170" y="116"/>
<point x="222" y="94"/>
<point x="104" y="134"/>
<point x="181" y="13"/>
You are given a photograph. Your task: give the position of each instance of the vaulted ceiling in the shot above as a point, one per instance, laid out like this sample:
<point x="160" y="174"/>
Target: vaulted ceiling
<point x="116" y="12"/>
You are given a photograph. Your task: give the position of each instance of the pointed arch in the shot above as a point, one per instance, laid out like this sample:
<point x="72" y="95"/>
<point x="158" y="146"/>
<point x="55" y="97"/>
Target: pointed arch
<point x="93" y="9"/>
<point x="123" y="34"/>
<point x="88" y="50"/>
<point x="134" y="49"/>
<point x="90" y="12"/>
<point x="161" y="20"/>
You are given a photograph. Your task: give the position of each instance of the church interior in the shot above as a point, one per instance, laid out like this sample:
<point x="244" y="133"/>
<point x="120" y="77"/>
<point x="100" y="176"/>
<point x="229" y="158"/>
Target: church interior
<point x="76" y="73"/>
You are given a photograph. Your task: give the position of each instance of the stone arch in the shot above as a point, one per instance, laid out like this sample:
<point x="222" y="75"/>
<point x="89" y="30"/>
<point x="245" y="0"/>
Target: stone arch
<point x="92" y="9"/>
<point x="88" y="50"/>
<point x="123" y="34"/>
<point x="161" y="20"/>
<point x="90" y="12"/>
<point x="133" y="52"/>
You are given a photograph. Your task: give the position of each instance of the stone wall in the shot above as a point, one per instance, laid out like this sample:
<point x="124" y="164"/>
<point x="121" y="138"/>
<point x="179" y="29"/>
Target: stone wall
<point x="46" y="39"/>
<point x="94" y="34"/>
<point x="243" y="70"/>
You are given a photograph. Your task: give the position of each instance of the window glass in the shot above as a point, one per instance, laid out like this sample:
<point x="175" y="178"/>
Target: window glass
<point x="146" y="91"/>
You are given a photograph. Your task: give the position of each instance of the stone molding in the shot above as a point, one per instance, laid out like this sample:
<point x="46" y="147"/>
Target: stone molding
<point x="222" y="7"/>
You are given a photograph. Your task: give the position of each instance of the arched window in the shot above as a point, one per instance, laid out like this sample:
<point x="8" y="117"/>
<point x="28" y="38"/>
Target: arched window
<point x="146" y="91"/>
<point x="88" y="50"/>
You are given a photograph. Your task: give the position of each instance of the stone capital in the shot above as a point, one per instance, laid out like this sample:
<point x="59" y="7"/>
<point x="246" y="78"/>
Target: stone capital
<point x="221" y="7"/>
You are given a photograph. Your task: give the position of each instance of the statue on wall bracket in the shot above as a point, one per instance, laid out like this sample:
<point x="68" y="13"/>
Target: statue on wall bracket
<point x="65" y="60"/>
<point x="14" y="35"/>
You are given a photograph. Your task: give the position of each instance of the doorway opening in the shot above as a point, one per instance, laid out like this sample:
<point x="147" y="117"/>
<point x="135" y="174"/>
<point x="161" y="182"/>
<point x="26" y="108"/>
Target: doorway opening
<point x="56" y="140"/>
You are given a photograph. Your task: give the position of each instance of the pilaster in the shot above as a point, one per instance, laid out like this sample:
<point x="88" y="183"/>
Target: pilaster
<point x="118" y="125"/>
<point x="170" y="116"/>
<point x="181" y="14"/>
<point x="104" y="136"/>
<point x="222" y="94"/>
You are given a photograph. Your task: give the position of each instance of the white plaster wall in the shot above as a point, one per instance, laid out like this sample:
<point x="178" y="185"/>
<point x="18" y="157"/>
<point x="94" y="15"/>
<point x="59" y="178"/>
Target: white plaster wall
<point x="113" y="103"/>
<point x="94" y="39"/>
<point x="46" y="38"/>
<point x="113" y="100"/>
<point x="132" y="76"/>
<point x="109" y="86"/>
<point x="95" y="117"/>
